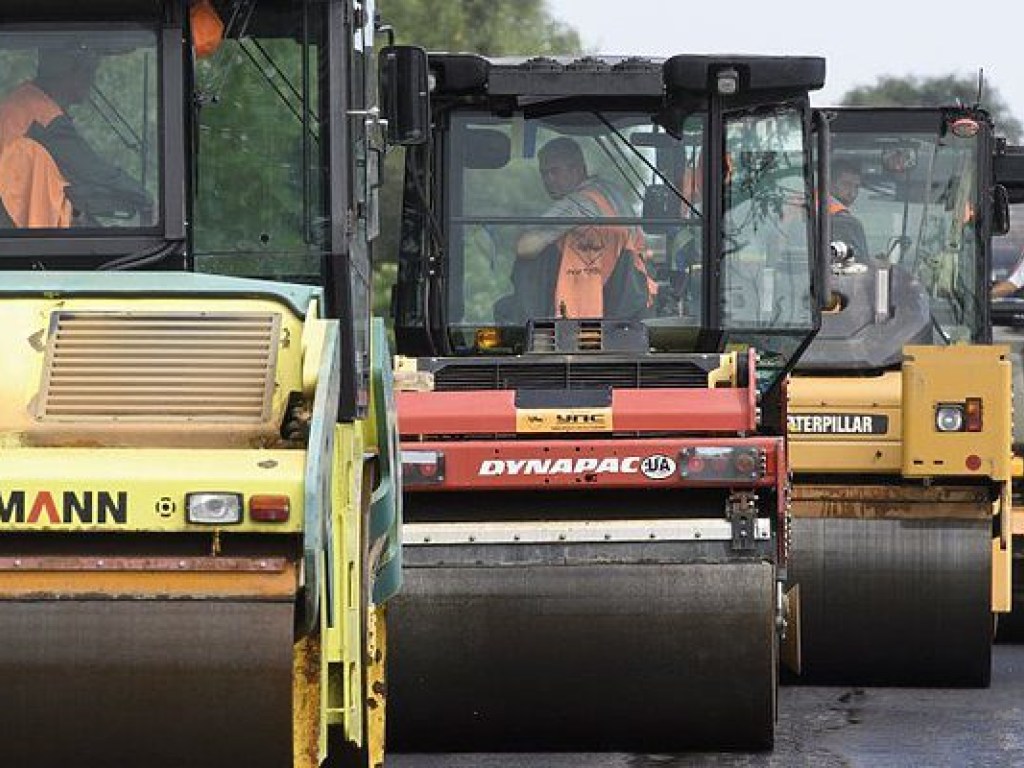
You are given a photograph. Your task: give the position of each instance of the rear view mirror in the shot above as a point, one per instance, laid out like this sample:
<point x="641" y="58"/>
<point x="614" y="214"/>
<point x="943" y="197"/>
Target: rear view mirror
<point x="405" y="94"/>
<point x="1000" y="210"/>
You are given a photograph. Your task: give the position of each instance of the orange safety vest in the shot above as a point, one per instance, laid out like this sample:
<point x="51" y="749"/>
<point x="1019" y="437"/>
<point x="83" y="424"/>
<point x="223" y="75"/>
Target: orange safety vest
<point x="834" y="207"/>
<point x="31" y="185"/>
<point x="589" y="255"/>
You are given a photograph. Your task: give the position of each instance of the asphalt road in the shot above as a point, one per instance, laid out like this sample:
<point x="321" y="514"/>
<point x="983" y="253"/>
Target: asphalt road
<point x="833" y="727"/>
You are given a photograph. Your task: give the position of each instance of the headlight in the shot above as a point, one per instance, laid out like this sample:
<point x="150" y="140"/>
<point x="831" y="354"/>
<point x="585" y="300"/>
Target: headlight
<point x="949" y="418"/>
<point x="214" y="508"/>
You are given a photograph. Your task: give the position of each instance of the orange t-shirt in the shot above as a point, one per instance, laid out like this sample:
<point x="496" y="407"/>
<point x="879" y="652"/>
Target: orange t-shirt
<point x="31" y="185"/>
<point x="590" y="253"/>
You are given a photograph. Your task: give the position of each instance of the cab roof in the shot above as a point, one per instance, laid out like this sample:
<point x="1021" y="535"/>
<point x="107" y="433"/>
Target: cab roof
<point x="463" y="73"/>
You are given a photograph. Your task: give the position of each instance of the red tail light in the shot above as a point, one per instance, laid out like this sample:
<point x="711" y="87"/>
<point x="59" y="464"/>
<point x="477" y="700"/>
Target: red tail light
<point x="420" y="468"/>
<point x="722" y="464"/>
<point x="972" y="415"/>
<point x="269" y="509"/>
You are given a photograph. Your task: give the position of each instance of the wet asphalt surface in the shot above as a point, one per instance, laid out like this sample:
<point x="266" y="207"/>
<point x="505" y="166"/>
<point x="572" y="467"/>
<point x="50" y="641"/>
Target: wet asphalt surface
<point x="833" y="727"/>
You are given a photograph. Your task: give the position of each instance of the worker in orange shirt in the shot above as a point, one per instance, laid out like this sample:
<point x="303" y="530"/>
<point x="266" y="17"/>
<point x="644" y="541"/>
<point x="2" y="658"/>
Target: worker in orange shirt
<point x="846" y="227"/>
<point x="50" y="177"/>
<point x="597" y="270"/>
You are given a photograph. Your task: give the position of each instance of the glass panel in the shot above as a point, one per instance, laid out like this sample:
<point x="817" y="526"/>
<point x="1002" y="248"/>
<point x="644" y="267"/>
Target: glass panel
<point x="79" y="129"/>
<point x="260" y="204"/>
<point x="518" y="189"/>
<point x="915" y="202"/>
<point x="766" y="262"/>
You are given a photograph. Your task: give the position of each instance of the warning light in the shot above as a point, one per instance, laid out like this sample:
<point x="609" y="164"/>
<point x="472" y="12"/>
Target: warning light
<point x="488" y="338"/>
<point x="964" y="128"/>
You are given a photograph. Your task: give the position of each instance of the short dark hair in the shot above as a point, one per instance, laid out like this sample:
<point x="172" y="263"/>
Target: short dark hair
<point x="563" y="148"/>
<point x="843" y="165"/>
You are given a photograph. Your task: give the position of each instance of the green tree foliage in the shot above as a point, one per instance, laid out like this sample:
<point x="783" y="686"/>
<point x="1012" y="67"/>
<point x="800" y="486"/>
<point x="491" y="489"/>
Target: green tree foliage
<point x="253" y="215"/>
<point x="480" y="26"/>
<point x="524" y="27"/>
<point x="911" y="91"/>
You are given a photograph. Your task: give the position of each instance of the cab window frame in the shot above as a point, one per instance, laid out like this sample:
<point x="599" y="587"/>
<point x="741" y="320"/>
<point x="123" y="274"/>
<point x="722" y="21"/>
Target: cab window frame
<point x="69" y="248"/>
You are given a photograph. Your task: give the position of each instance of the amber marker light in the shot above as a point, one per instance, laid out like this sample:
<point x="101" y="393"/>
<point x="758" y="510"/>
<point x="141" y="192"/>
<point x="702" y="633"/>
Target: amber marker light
<point x="972" y="414"/>
<point x="488" y="338"/>
<point x="268" y="508"/>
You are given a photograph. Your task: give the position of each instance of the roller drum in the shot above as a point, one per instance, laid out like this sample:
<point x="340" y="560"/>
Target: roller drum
<point x="145" y="683"/>
<point x="653" y="648"/>
<point x="894" y="601"/>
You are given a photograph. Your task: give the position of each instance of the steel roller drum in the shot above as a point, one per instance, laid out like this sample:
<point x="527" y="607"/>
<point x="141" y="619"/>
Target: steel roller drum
<point x="894" y="602"/>
<point x="145" y="683"/>
<point x="543" y="647"/>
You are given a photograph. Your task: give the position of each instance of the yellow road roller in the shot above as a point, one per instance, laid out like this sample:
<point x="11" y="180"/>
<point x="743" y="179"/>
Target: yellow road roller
<point x="900" y="424"/>
<point x="198" y="512"/>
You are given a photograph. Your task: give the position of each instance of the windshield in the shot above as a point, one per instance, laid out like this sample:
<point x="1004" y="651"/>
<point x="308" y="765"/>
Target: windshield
<point x="79" y="137"/>
<point x="260" y="204"/>
<point x="911" y="198"/>
<point x="518" y="188"/>
<point x="767" y="256"/>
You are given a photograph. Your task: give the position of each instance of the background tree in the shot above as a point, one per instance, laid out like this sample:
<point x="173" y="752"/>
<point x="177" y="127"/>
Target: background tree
<point x="480" y="26"/>
<point x="524" y="27"/>
<point x="912" y="91"/>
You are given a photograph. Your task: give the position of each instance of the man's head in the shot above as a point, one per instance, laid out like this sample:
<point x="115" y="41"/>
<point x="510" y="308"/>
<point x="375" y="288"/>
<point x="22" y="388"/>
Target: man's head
<point x="66" y="74"/>
<point x="562" y="167"/>
<point x="845" y="181"/>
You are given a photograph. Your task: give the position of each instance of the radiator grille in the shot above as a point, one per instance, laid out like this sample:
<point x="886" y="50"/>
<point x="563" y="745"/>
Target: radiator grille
<point x="160" y="367"/>
<point x="649" y="374"/>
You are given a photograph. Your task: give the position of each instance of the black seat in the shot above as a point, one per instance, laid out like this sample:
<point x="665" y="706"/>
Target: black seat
<point x="6" y="222"/>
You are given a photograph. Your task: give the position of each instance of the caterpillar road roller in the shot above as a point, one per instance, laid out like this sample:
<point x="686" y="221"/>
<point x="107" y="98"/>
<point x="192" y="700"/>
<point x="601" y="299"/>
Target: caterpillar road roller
<point x="900" y="425"/>
<point x="197" y="507"/>
<point x="1007" y="321"/>
<point x="607" y="268"/>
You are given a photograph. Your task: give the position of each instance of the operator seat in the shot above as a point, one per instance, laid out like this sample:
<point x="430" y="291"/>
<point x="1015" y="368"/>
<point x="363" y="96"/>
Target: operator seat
<point x="6" y="222"/>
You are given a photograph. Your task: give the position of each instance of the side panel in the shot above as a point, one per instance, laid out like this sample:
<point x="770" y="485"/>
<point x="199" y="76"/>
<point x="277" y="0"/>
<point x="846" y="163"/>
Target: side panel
<point x="934" y="376"/>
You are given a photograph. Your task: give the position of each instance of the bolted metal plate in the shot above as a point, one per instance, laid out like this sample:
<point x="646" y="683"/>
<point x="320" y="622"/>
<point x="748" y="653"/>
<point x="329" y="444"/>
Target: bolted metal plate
<point x="573" y="531"/>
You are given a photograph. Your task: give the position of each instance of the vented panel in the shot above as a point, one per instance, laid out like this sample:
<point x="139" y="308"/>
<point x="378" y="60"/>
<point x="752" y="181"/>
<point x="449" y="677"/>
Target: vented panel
<point x="160" y="367"/>
<point x="649" y="374"/>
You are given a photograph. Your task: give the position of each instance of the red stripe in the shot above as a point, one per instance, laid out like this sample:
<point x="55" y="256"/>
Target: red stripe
<point x="493" y="412"/>
<point x="474" y="465"/>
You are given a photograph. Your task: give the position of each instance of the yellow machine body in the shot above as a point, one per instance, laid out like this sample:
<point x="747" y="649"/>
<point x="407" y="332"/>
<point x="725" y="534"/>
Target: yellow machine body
<point x="924" y="517"/>
<point x="113" y="411"/>
<point x="910" y="447"/>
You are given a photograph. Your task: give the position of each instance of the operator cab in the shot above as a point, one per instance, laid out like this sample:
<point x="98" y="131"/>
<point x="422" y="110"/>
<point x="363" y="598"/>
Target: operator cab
<point x="127" y="146"/>
<point x="926" y="213"/>
<point x="684" y="222"/>
<point x="85" y="133"/>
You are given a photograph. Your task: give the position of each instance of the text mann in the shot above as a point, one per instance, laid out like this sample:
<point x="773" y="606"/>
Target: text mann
<point x="67" y="507"/>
